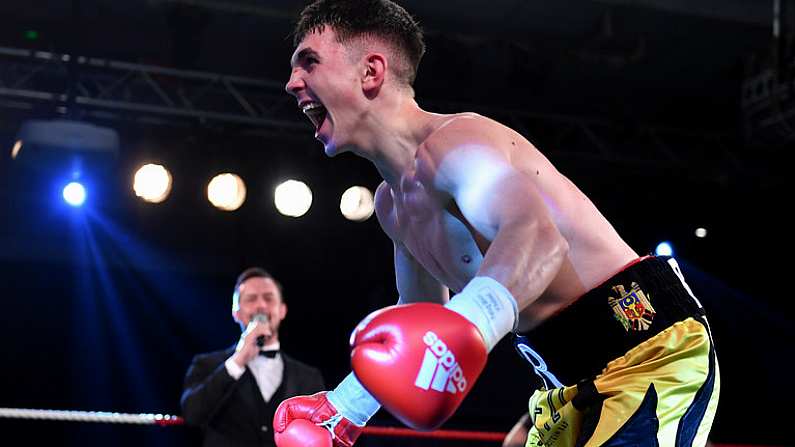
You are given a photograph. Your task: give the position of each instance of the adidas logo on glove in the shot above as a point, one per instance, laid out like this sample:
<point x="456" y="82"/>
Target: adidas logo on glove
<point x="419" y="360"/>
<point x="439" y="370"/>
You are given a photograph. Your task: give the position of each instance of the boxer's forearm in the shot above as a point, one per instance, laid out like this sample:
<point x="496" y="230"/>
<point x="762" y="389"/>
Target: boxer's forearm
<point x="525" y="258"/>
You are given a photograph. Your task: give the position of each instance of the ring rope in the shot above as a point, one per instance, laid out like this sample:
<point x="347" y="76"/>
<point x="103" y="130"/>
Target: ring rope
<point x="461" y="435"/>
<point x="169" y="420"/>
<point x="91" y="416"/>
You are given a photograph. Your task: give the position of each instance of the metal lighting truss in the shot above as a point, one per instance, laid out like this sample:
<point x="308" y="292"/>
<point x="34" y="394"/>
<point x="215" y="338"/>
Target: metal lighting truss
<point x="105" y="89"/>
<point x="112" y="89"/>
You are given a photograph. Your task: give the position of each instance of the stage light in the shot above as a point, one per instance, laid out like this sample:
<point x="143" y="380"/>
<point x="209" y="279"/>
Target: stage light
<point x="357" y="203"/>
<point x="293" y="198"/>
<point x="15" y="150"/>
<point x="152" y="183"/>
<point x="664" y="249"/>
<point x="701" y="232"/>
<point x="226" y="191"/>
<point x="74" y="194"/>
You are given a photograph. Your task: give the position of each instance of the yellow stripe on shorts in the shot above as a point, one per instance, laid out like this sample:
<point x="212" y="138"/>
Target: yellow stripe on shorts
<point x="665" y="390"/>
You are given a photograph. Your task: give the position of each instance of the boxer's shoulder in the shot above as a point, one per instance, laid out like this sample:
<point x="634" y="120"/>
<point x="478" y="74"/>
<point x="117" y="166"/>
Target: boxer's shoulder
<point x="454" y="131"/>
<point x="463" y="144"/>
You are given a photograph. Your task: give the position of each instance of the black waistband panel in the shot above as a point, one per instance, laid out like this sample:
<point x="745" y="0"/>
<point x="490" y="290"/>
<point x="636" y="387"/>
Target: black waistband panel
<point x="629" y="308"/>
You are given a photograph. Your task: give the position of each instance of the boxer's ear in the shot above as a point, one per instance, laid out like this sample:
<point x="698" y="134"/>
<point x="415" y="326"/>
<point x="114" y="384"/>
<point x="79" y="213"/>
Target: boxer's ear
<point x="373" y="73"/>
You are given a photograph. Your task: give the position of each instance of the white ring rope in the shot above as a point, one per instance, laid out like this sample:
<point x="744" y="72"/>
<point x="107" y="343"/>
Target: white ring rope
<point x="91" y="416"/>
<point x="166" y="420"/>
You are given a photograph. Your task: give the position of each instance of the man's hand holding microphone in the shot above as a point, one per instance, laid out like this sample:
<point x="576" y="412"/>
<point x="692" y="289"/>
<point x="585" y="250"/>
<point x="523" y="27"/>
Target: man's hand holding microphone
<point x="257" y="333"/>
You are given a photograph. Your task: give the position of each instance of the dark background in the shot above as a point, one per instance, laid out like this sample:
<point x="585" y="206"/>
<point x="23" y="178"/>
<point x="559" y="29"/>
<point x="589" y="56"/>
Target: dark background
<point x="641" y="103"/>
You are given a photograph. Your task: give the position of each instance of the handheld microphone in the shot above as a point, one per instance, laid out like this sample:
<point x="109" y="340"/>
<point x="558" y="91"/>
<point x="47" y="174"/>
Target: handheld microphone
<point x="260" y="319"/>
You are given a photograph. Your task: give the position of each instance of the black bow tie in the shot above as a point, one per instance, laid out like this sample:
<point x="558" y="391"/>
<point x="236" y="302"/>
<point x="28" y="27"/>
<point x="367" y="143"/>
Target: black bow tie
<point x="269" y="354"/>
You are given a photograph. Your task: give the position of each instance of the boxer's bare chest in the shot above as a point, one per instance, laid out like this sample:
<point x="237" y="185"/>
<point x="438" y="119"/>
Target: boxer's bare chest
<point x="436" y="234"/>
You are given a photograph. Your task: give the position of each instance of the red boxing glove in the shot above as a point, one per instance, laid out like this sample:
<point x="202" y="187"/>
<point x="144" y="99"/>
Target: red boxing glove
<point x="311" y="421"/>
<point x="302" y="433"/>
<point x="418" y="360"/>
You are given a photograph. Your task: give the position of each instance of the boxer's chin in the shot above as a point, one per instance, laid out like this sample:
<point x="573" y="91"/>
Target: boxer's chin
<point x="330" y="149"/>
<point x="333" y="144"/>
<point x="335" y="147"/>
<point x="324" y="134"/>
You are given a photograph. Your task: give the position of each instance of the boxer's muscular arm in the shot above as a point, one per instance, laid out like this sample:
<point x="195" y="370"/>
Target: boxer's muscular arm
<point x="501" y="203"/>
<point x="386" y="347"/>
<point x="414" y="283"/>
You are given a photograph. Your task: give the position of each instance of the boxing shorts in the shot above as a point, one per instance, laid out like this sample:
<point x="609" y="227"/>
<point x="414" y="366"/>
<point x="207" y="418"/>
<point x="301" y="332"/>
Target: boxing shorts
<point x="638" y="357"/>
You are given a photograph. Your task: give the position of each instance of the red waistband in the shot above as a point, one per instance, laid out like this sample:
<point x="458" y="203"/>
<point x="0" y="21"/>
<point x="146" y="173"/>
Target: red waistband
<point x="626" y="266"/>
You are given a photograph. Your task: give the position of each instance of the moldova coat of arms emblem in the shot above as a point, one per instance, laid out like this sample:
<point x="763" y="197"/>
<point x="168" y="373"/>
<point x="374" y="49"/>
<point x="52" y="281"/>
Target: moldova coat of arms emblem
<point x="632" y="308"/>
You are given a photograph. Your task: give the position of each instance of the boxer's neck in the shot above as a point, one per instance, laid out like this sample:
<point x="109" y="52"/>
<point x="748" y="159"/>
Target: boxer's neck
<point x="397" y="139"/>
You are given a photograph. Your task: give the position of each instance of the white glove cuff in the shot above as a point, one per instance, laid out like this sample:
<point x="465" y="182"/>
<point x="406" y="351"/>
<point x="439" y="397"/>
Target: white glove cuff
<point x="489" y="306"/>
<point x="352" y="401"/>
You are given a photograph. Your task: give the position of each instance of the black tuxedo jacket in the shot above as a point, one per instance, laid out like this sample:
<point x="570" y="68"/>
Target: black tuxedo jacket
<point x="232" y="412"/>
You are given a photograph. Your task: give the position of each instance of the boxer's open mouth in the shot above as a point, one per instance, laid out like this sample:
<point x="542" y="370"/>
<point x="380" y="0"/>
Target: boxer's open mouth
<point x="315" y="112"/>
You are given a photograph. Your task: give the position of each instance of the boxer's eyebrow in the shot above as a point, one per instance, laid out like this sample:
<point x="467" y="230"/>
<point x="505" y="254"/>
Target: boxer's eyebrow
<point x="303" y="55"/>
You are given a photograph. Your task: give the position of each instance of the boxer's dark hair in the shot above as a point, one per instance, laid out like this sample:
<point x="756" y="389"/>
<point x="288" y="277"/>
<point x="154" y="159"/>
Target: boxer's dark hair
<point x="383" y="19"/>
<point x="256" y="272"/>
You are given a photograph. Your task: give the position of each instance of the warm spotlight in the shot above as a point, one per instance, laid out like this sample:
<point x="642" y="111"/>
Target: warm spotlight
<point x="152" y="183"/>
<point x="293" y="198"/>
<point x="357" y="203"/>
<point x="74" y="194"/>
<point x="15" y="150"/>
<point x="226" y="192"/>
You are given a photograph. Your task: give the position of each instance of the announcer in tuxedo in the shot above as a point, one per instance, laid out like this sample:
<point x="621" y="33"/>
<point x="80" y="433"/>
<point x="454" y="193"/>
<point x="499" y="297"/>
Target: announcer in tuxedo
<point x="232" y="394"/>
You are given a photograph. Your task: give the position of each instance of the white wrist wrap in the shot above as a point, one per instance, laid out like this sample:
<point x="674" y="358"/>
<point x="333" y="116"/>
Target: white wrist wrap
<point x="489" y="306"/>
<point x="352" y="401"/>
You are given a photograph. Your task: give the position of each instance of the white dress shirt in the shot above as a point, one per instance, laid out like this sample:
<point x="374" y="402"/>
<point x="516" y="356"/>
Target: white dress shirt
<point x="267" y="372"/>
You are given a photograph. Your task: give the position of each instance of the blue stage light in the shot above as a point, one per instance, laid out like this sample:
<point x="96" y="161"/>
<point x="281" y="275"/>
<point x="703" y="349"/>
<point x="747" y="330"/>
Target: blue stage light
<point x="664" y="249"/>
<point x="74" y="194"/>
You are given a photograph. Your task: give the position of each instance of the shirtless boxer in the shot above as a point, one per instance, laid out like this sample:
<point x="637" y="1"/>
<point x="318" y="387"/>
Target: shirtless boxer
<point x="474" y="207"/>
